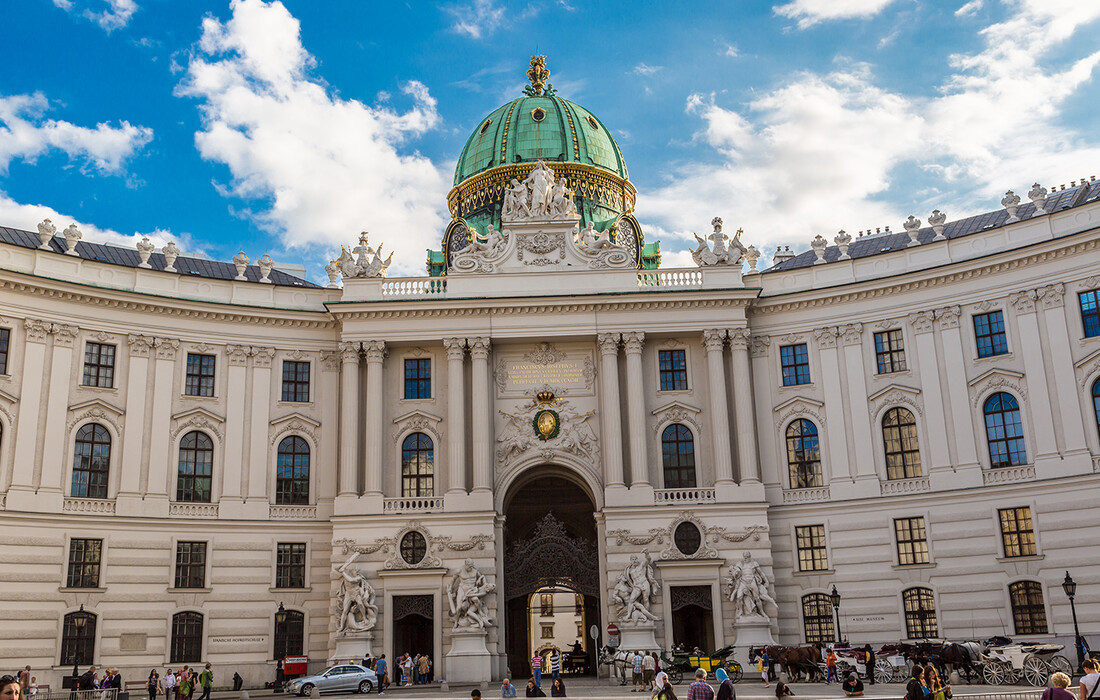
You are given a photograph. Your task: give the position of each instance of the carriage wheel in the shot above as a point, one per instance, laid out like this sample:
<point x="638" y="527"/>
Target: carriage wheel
<point x="1061" y="663"/>
<point x="884" y="672"/>
<point x="843" y="668"/>
<point x="1036" y="671"/>
<point x="735" y="672"/>
<point x="675" y="675"/>
<point x="994" y="673"/>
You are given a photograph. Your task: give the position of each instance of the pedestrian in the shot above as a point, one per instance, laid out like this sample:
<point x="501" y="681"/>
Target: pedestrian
<point x="637" y="662"/>
<point x="762" y="664"/>
<point x="536" y="669"/>
<point x="206" y="680"/>
<point x="169" y="684"/>
<point x="507" y="690"/>
<point x="555" y="664"/>
<point x="380" y="672"/>
<point x="852" y="686"/>
<point x="782" y="691"/>
<point x="533" y="691"/>
<point x="366" y="660"/>
<point x="407" y="668"/>
<point x="10" y="689"/>
<point x="914" y="688"/>
<point x="32" y="692"/>
<point x="725" y="690"/>
<point x="152" y="685"/>
<point x="186" y="685"/>
<point x="937" y="690"/>
<point x="237" y="681"/>
<point x="830" y="666"/>
<point x="557" y="688"/>
<point x="425" y="666"/>
<point x="25" y="680"/>
<point x="656" y="661"/>
<point x="700" y="689"/>
<point x="1059" y="683"/>
<point x="1090" y="681"/>
<point x="659" y="682"/>
<point x="649" y="670"/>
<point x="87" y="680"/>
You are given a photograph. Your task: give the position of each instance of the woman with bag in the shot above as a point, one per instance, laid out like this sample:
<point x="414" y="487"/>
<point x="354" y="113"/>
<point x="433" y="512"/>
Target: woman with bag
<point x="1090" y="681"/>
<point x="936" y="689"/>
<point x="1059" y="682"/>
<point x="153" y="684"/>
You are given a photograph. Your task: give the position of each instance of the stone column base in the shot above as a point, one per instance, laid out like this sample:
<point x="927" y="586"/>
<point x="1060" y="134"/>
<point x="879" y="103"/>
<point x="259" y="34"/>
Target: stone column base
<point x="752" y="631"/>
<point x="468" y="661"/>
<point x="639" y="636"/>
<point x="352" y="647"/>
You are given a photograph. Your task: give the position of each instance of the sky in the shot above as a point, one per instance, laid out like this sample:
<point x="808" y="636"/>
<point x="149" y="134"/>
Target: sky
<point x="289" y="127"/>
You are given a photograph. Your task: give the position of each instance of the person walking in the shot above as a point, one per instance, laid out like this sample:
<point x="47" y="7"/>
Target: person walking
<point x="700" y="689"/>
<point x="237" y="681"/>
<point x="725" y="690"/>
<point x="25" y="681"/>
<point x="914" y="689"/>
<point x="1090" y="682"/>
<point x="536" y="669"/>
<point x="830" y="666"/>
<point x="380" y="672"/>
<point x="206" y="680"/>
<point x="10" y="689"/>
<point x="649" y="670"/>
<point x="870" y="661"/>
<point x="763" y="664"/>
<point x="637" y="662"/>
<point x="169" y="684"/>
<point x="407" y="669"/>
<point x="425" y="667"/>
<point x="555" y="664"/>
<point x="152" y="685"/>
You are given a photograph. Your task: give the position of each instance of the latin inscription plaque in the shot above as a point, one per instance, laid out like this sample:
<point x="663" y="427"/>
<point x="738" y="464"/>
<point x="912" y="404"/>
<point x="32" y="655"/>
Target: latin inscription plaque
<point x="571" y="371"/>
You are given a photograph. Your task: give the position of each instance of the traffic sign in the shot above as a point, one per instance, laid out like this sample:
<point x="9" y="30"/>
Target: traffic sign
<point x="612" y="629"/>
<point x="594" y="632"/>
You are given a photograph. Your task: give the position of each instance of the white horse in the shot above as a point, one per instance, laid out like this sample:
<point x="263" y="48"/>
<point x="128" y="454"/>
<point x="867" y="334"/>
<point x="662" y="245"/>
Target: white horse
<point x="619" y="661"/>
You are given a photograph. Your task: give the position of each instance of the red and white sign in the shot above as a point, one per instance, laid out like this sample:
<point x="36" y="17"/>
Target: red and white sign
<point x="612" y="630"/>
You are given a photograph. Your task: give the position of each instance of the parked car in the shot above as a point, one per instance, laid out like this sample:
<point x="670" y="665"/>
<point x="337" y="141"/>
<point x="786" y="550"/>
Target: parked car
<point x="343" y="678"/>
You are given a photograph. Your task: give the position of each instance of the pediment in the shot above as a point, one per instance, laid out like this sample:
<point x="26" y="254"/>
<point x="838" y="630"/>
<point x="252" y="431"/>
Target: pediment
<point x="799" y="407"/>
<point x="1088" y="367"/>
<point x="97" y="403"/>
<point x="798" y="400"/>
<point x="417" y="414"/>
<point x="1095" y="355"/>
<point x="416" y="421"/>
<point x="7" y="398"/>
<point x="673" y="405"/>
<point x="1009" y="374"/>
<point x="893" y="387"/>
<point x="196" y="412"/>
<point x="893" y="395"/>
<point x="676" y="412"/>
<point x="295" y="416"/>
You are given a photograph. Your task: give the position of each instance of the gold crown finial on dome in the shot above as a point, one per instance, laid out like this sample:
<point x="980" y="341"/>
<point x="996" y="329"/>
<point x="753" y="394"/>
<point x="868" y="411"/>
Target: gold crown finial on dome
<point x="538" y="75"/>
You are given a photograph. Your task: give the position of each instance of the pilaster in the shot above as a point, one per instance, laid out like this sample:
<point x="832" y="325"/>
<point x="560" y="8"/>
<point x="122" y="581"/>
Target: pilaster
<point x="155" y="486"/>
<point x="137" y="382"/>
<point x="928" y="371"/>
<point x="1052" y="299"/>
<point x="30" y="405"/>
<point x="349" y="418"/>
<point x="482" y="417"/>
<point x="610" y="417"/>
<point x="714" y="340"/>
<point x="57" y="406"/>
<point x="259" y="455"/>
<point x="1041" y="411"/>
<point x="851" y="338"/>
<point x="748" y="463"/>
<point x="456" y="418"/>
<point x="954" y="365"/>
<point x="236" y="380"/>
<point x="375" y="353"/>
<point x="835" y="412"/>
<point x="635" y="413"/>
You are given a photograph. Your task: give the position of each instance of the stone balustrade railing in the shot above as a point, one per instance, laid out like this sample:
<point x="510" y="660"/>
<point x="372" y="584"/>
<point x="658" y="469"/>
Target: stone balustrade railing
<point x="696" y="495"/>
<point x="670" y="278"/>
<point x="414" y="287"/>
<point x="893" y="487"/>
<point x="412" y="504"/>
<point x="817" y="493"/>
<point x="1007" y="475"/>
<point x="193" y="510"/>
<point x="292" y="512"/>
<point x="88" y="505"/>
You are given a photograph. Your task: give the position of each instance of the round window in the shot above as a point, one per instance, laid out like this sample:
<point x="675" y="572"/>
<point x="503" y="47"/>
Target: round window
<point x="413" y="548"/>
<point x="538" y="114"/>
<point x="593" y="123"/>
<point x="687" y="538"/>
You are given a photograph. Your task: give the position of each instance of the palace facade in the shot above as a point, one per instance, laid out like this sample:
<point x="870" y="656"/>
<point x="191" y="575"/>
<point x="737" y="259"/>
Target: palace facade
<point x="192" y="451"/>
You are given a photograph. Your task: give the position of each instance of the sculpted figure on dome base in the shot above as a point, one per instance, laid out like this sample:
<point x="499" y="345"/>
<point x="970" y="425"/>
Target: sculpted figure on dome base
<point x="720" y="252"/>
<point x="540" y="196"/>
<point x="361" y="263"/>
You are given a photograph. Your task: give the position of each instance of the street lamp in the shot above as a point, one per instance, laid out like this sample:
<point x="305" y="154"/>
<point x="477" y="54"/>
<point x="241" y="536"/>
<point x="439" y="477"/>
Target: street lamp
<point x="80" y="620"/>
<point x="280" y="615"/>
<point x="834" y="598"/>
<point x="1069" y="586"/>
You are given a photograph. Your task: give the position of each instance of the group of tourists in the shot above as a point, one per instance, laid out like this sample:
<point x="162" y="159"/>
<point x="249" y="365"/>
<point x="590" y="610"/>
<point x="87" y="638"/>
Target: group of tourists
<point x="408" y="670"/>
<point x="533" y="690"/>
<point x="181" y="684"/>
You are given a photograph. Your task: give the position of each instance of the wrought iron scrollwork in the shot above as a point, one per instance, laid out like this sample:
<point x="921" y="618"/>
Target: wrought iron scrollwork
<point x="405" y="605"/>
<point x="683" y="596"/>
<point x="551" y="556"/>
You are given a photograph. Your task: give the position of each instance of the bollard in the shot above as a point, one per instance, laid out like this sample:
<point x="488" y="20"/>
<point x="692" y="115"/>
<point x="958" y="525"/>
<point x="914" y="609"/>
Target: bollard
<point x="244" y="695"/>
<point x="444" y="687"/>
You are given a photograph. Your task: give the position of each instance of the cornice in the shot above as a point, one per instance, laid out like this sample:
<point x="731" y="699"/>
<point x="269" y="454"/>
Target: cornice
<point x="820" y="297"/>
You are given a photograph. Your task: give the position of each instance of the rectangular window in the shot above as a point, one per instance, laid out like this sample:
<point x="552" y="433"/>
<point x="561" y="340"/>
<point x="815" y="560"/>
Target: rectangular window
<point x="1017" y="532"/>
<point x="989" y="329"/>
<point x="912" y="541"/>
<point x="84" y="560"/>
<point x="190" y="565"/>
<point x="295" y="381"/>
<point x="547" y="631"/>
<point x="99" y="365"/>
<point x="290" y="565"/>
<point x="200" y="375"/>
<point x="889" y="352"/>
<point x="418" y="378"/>
<point x="1090" y="313"/>
<point x="5" y="337"/>
<point x="796" y="364"/>
<point x="673" y="369"/>
<point x="810" y="542"/>
<point x="546" y="604"/>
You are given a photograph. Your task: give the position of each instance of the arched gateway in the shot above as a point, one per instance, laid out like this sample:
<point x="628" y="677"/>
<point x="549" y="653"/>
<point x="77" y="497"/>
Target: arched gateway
<point x="551" y="570"/>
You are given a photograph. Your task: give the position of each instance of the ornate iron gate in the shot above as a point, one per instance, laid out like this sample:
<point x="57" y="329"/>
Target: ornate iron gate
<point x="549" y="557"/>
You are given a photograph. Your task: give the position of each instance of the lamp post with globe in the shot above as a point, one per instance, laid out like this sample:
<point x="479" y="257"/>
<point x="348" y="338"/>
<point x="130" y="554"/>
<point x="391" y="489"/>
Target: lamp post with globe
<point x="1069" y="587"/>
<point x="834" y="598"/>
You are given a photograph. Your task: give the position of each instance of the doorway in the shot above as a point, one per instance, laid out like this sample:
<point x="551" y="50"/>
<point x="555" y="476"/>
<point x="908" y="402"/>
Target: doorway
<point x="692" y="618"/>
<point x="413" y="630"/>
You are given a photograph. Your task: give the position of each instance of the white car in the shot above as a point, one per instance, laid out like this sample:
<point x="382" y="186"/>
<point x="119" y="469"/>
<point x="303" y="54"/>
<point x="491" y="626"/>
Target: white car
<point x="342" y="678"/>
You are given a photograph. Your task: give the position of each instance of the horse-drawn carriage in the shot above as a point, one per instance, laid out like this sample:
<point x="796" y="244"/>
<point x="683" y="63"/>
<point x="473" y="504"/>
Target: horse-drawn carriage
<point x="679" y="661"/>
<point x="1033" y="663"/>
<point x="997" y="660"/>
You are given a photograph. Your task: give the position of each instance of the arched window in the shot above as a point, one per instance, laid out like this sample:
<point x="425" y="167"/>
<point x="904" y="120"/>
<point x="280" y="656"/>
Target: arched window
<point x="91" y="461"/>
<point x="78" y="639"/>
<point x="803" y="454"/>
<point x="186" y="637"/>
<point x="289" y="634"/>
<point x="817" y="618"/>
<point x="678" y="453"/>
<point x="1003" y="431"/>
<point x="1096" y="403"/>
<point x="417" y="466"/>
<point x="195" y="468"/>
<point x="1028" y="611"/>
<point x="920" y="613"/>
<point x="292" y="473"/>
<point x="899" y="438"/>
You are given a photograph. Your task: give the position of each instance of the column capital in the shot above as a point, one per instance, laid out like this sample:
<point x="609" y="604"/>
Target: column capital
<point x="166" y="348"/>
<point x="349" y="352"/>
<point x="140" y="345"/>
<point x="36" y="330"/>
<point x="921" y="321"/>
<point x="261" y="356"/>
<point x="456" y="348"/>
<point x="237" y="355"/>
<point x="1052" y="295"/>
<point x="740" y="338"/>
<point x="948" y="317"/>
<point x="851" y="334"/>
<point x="826" y="337"/>
<point x="375" y="350"/>
<point x="633" y="342"/>
<point x="330" y="360"/>
<point x="609" y="343"/>
<point x="479" y="347"/>
<point x="760" y="345"/>
<point x="714" y="339"/>
<point x="1023" y="302"/>
<point x="64" y="334"/>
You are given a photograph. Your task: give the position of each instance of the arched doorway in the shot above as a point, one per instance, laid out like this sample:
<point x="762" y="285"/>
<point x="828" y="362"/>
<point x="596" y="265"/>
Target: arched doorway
<point x="551" y="570"/>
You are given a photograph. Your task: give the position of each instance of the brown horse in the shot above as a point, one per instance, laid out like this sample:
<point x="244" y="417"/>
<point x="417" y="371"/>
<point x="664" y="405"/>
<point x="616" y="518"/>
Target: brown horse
<point x="802" y="660"/>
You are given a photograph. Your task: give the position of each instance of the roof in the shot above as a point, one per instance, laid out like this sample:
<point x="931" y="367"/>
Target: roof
<point x="877" y="244"/>
<point x="543" y="127"/>
<point x="112" y="255"/>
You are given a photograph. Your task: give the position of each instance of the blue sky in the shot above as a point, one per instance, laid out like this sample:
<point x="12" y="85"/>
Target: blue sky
<point x="289" y="127"/>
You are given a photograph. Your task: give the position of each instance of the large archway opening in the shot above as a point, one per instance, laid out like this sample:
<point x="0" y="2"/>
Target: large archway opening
<point x="551" y="572"/>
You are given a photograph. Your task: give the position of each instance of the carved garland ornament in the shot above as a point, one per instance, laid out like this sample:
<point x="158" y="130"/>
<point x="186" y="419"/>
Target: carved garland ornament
<point x="800" y="409"/>
<point x="198" y="421"/>
<point x="982" y="390"/>
<point x="98" y="415"/>
<point x="713" y="534"/>
<point x="298" y="427"/>
<point x="672" y="552"/>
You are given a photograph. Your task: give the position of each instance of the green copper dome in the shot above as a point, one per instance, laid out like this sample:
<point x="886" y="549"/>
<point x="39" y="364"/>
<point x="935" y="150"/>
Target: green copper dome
<point x="543" y="127"/>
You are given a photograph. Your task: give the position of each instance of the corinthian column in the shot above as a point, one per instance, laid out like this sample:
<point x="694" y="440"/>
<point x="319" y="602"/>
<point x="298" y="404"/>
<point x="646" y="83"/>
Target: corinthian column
<point x="714" y="340"/>
<point x="610" y="423"/>
<point x="482" y="419"/>
<point x="635" y="409"/>
<point x="747" y="461"/>
<point x="456" y="423"/>
<point x="375" y="351"/>
<point x="349" y="417"/>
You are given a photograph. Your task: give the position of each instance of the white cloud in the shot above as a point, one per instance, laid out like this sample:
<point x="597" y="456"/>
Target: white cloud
<point x="115" y="15"/>
<point x="644" y="69"/>
<point x="324" y="168"/>
<point x="478" y="19"/>
<point x="731" y="51"/>
<point x="825" y="152"/>
<point x="26" y="134"/>
<point x="970" y="8"/>
<point x="810" y="12"/>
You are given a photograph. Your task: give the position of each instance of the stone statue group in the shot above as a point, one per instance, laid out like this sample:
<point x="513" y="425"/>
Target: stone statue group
<point x="634" y="590"/>
<point x="539" y="196"/>
<point x="361" y="261"/>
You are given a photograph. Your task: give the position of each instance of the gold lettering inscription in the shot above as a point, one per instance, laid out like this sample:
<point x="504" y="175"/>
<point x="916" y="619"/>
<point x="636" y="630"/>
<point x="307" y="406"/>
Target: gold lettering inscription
<point x="566" y="374"/>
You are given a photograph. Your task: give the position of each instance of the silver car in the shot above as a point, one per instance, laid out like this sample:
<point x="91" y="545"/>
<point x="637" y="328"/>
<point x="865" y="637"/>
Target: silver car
<point x="342" y="678"/>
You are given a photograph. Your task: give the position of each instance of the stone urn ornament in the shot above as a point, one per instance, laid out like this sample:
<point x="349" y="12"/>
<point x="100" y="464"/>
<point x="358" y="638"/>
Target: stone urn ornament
<point x="171" y="252"/>
<point x="912" y="227"/>
<point x="265" y="264"/>
<point x="333" y="271"/>
<point x="145" y="248"/>
<point x="937" y="219"/>
<point x="1038" y="197"/>
<point x="240" y="260"/>
<point x="1011" y="202"/>
<point x="46" y="230"/>
<point x="752" y="255"/>
<point x="72" y="237"/>
<point x="819" y="244"/>
<point x="843" y="240"/>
